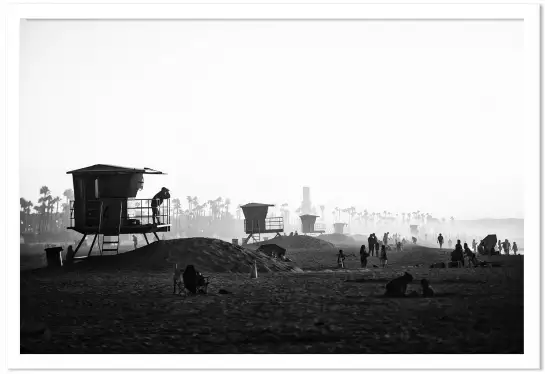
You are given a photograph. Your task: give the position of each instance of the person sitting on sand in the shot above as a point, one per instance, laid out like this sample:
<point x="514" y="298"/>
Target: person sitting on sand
<point x="515" y="248"/>
<point x="458" y="254"/>
<point x="363" y="256"/>
<point x="340" y="259"/>
<point x="440" y="240"/>
<point x="383" y="256"/>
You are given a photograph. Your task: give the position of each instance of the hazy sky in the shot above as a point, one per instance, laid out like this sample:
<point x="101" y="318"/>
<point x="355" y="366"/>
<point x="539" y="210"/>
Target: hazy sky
<point x="383" y="115"/>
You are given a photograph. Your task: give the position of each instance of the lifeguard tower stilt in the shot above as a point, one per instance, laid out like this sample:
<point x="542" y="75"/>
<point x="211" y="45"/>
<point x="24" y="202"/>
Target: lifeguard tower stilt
<point x="309" y="225"/>
<point x="257" y="223"/>
<point x="104" y="205"/>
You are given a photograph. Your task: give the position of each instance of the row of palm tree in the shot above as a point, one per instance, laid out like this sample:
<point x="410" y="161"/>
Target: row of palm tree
<point x="47" y="210"/>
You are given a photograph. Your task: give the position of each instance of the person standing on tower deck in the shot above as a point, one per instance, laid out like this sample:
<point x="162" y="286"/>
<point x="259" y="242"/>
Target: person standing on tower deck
<point x="157" y="201"/>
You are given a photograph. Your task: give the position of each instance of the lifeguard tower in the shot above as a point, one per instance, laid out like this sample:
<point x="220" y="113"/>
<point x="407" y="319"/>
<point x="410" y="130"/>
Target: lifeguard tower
<point x="257" y="223"/>
<point x="105" y="206"/>
<point x="309" y="225"/>
<point x="339" y="227"/>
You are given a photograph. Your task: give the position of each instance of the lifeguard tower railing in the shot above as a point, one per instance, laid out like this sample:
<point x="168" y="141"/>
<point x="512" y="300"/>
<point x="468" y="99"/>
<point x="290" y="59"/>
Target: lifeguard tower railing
<point x="319" y="227"/>
<point x="272" y="224"/>
<point x="138" y="212"/>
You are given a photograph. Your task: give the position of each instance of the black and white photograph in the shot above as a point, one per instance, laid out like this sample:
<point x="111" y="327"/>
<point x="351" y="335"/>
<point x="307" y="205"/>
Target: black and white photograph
<point x="276" y="180"/>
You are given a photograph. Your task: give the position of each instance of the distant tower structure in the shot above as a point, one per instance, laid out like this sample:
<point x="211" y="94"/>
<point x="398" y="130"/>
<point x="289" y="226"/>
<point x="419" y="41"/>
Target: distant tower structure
<point x="306" y="206"/>
<point x="339" y="227"/>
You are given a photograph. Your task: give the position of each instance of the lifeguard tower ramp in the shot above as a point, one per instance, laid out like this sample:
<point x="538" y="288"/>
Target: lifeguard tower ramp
<point x="309" y="225"/>
<point x="257" y="223"/>
<point x="105" y="206"/>
<point x="339" y="227"/>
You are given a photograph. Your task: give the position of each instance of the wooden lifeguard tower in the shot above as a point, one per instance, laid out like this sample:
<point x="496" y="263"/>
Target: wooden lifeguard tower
<point x="104" y="205"/>
<point x="339" y="227"/>
<point x="257" y="223"/>
<point x="309" y="225"/>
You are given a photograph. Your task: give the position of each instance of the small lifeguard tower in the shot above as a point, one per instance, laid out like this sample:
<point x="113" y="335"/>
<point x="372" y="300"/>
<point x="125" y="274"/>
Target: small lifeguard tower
<point x="309" y="225"/>
<point x="105" y="206"/>
<point x="257" y="223"/>
<point x="339" y="227"/>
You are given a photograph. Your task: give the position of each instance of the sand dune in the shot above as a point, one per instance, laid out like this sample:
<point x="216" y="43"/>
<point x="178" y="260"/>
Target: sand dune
<point x="206" y="254"/>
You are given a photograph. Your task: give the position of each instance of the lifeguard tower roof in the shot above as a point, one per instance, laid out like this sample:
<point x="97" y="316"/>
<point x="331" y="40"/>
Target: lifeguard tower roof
<point x="112" y="169"/>
<point x="253" y="205"/>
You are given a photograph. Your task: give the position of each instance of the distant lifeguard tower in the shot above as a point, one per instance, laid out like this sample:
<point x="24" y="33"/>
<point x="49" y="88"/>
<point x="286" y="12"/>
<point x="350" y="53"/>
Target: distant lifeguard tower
<point x="104" y="205"/>
<point x="309" y="225"/>
<point x="257" y="223"/>
<point x="339" y="227"/>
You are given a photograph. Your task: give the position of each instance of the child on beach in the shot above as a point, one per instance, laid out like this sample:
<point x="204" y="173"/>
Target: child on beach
<point x="340" y="259"/>
<point x="383" y="256"/>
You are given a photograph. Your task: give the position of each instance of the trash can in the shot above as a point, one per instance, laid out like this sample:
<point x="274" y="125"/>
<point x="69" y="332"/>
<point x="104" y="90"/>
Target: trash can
<point x="235" y="241"/>
<point x="54" y="257"/>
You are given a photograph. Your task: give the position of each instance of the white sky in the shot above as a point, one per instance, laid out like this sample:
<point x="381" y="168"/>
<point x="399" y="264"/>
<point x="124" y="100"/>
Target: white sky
<point x="382" y="115"/>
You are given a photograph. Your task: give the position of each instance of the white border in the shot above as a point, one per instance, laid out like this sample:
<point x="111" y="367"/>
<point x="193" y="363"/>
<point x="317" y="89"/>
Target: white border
<point x="528" y="13"/>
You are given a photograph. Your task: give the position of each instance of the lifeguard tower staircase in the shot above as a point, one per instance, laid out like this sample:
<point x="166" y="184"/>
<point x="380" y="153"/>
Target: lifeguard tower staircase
<point x="257" y="223"/>
<point x="105" y="206"/>
<point x="309" y="225"/>
<point x="339" y="227"/>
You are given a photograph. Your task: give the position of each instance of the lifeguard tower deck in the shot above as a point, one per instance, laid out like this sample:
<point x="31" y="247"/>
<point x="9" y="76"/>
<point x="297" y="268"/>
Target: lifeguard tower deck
<point x="309" y="225"/>
<point x="105" y="206"/>
<point x="257" y="223"/>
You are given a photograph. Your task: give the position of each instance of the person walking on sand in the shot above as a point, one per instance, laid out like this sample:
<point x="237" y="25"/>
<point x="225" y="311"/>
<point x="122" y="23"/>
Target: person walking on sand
<point x="385" y="238"/>
<point x="440" y="240"/>
<point x="371" y="244"/>
<point x="383" y="256"/>
<point x="377" y="246"/>
<point x="340" y="259"/>
<point x="506" y="247"/>
<point x="363" y="256"/>
<point x="474" y="245"/>
<point x="499" y="247"/>
<point x="135" y="241"/>
<point x="515" y="249"/>
<point x="450" y="243"/>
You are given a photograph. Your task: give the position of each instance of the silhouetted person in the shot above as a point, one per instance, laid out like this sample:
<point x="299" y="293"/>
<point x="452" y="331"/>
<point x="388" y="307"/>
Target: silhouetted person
<point x="450" y="243"/>
<point x="340" y="258"/>
<point x="499" y="247"/>
<point x="363" y="256"/>
<point x="474" y="245"/>
<point x="440" y="240"/>
<point x="385" y="238"/>
<point x="458" y="254"/>
<point x="371" y="244"/>
<point x="295" y="233"/>
<point x="515" y="248"/>
<point x="383" y="256"/>
<point x="157" y="201"/>
<point x="469" y="254"/>
<point x="135" y="241"/>
<point x="69" y="255"/>
<point x="507" y="247"/>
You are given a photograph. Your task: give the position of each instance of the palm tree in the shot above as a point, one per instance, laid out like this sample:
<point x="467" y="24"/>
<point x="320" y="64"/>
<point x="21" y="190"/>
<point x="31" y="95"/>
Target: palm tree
<point x="227" y="203"/>
<point x="189" y="202"/>
<point x="55" y="203"/>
